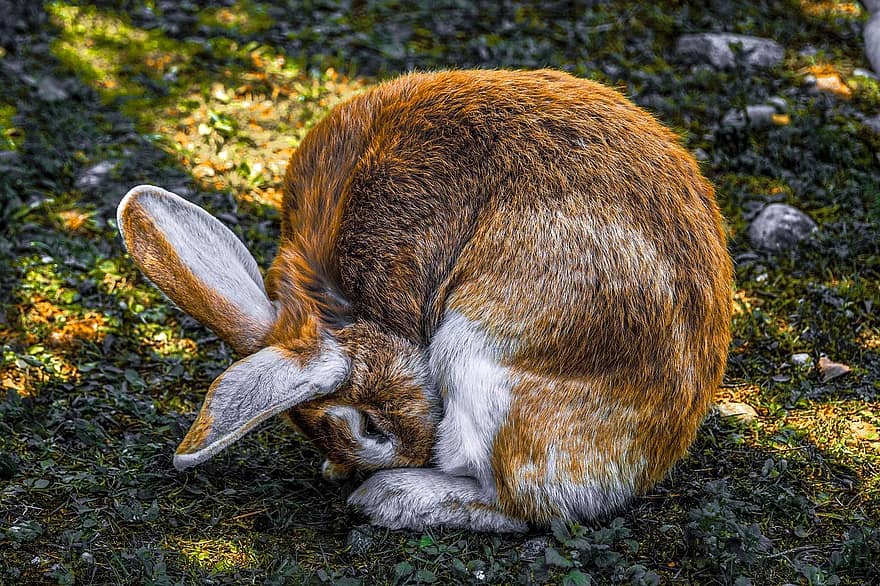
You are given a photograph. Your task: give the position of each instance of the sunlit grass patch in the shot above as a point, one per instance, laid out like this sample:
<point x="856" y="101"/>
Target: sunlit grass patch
<point x="11" y="137"/>
<point x="831" y="8"/>
<point x="232" y="124"/>
<point x="216" y="555"/>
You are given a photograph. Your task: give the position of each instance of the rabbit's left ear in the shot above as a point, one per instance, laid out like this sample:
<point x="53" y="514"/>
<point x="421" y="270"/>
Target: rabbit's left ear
<point x="256" y="388"/>
<point x="199" y="263"/>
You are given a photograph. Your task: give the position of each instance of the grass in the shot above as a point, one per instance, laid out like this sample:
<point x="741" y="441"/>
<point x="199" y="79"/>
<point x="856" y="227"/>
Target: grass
<point x="100" y="375"/>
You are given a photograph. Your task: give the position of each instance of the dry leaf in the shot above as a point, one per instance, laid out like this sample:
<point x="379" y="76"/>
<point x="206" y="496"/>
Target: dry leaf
<point x="742" y="412"/>
<point x="831" y="370"/>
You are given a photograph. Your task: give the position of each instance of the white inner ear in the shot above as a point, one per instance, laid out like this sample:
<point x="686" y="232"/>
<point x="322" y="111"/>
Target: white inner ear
<point x="212" y="254"/>
<point x="370" y="450"/>
<point x="254" y="389"/>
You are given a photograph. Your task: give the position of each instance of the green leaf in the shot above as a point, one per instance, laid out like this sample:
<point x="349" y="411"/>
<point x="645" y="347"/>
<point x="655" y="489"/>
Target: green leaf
<point x="426" y="576"/>
<point x="553" y="558"/>
<point x="576" y="578"/>
<point x="560" y="530"/>
<point x="25" y="531"/>
<point x="402" y="570"/>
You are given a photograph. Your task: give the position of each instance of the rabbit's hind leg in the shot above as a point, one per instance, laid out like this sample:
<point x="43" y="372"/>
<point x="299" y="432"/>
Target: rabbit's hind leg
<point x="415" y="498"/>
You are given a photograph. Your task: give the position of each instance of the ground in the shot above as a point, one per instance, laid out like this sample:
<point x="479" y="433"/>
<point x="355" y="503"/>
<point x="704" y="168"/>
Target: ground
<point x="101" y="375"/>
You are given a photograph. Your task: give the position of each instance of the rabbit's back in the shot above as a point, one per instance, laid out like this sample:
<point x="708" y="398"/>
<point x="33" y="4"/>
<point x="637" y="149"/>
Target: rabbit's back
<point x="553" y="171"/>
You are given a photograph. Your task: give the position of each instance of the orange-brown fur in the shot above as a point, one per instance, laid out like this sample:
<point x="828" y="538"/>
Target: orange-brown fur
<point x="547" y="209"/>
<point x="399" y="205"/>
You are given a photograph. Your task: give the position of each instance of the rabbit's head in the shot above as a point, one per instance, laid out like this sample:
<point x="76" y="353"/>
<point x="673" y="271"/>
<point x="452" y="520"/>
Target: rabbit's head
<point x="361" y="394"/>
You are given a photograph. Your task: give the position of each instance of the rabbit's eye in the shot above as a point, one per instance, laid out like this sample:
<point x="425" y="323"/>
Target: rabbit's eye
<point x="372" y="430"/>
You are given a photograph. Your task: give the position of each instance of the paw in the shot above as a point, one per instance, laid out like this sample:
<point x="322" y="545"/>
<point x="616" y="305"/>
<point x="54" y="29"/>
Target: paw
<point x="416" y="498"/>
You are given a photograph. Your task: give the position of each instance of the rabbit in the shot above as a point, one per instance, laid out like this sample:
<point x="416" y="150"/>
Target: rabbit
<point x="506" y="292"/>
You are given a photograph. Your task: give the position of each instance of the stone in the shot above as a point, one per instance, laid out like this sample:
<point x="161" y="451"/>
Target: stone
<point x="95" y="175"/>
<point x="779" y="227"/>
<point x="50" y="89"/>
<point x="778" y="102"/>
<point x="360" y="540"/>
<point x="757" y="116"/>
<point x="801" y="360"/>
<point x="872" y="41"/>
<point x="741" y="412"/>
<point x="533" y="549"/>
<point x="862" y="72"/>
<point x="725" y="50"/>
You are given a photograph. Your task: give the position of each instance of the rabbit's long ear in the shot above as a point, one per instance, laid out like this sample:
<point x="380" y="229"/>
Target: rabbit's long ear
<point x="199" y="263"/>
<point x="254" y="389"/>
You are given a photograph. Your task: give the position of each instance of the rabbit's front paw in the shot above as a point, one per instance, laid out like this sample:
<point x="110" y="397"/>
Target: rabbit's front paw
<point x="415" y="498"/>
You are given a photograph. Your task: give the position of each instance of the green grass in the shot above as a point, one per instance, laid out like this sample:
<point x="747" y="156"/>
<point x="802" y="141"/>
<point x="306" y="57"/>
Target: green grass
<point x="100" y="375"/>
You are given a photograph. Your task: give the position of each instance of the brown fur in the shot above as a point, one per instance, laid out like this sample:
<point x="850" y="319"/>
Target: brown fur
<point x="546" y="208"/>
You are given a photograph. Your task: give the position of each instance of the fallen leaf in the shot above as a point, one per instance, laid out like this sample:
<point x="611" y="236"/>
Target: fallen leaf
<point x="742" y="412"/>
<point x="831" y="370"/>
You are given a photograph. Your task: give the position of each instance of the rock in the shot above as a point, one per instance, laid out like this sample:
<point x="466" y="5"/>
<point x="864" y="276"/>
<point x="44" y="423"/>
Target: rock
<point x="50" y="89"/>
<point x="725" y="50"/>
<point x="741" y="412"/>
<point x="872" y="41"/>
<point x="779" y="226"/>
<point x="861" y="72"/>
<point x="533" y="549"/>
<point x="95" y="175"/>
<point x="701" y="155"/>
<point x="360" y="540"/>
<point x="801" y="360"/>
<point x="759" y="116"/>
<point x="778" y="102"/>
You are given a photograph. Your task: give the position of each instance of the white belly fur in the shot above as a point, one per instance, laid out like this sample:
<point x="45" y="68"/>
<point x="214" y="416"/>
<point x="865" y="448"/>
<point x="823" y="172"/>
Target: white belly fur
<point x="464" y="362"/>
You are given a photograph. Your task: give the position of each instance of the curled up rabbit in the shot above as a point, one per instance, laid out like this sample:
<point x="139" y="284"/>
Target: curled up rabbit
<point x="507" y="292"/>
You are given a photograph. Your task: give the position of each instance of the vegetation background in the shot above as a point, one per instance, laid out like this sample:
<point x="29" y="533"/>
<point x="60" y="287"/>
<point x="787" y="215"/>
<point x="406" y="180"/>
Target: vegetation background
<point x="100" y="376"/>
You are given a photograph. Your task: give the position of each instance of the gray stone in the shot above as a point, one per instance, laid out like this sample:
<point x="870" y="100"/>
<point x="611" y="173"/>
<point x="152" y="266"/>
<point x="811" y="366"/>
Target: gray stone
<point x="756" y="116"/>
<point x="801" y="359"/>
<point x="360" y="539"/>
<point x="778" y="102"/>
<point x="779" y="227"/>
<point x="95" y="175"/>
<point x="862" y="72"/>
<point x="533" y="549"/>
<point x="872" y="41"/>
<point x="50" y="89"/>
<point x="725" y="50"/>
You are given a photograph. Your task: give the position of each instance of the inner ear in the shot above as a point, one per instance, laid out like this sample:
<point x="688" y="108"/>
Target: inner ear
<point x="254" y="389"/>
<point x="199" y="263"/>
